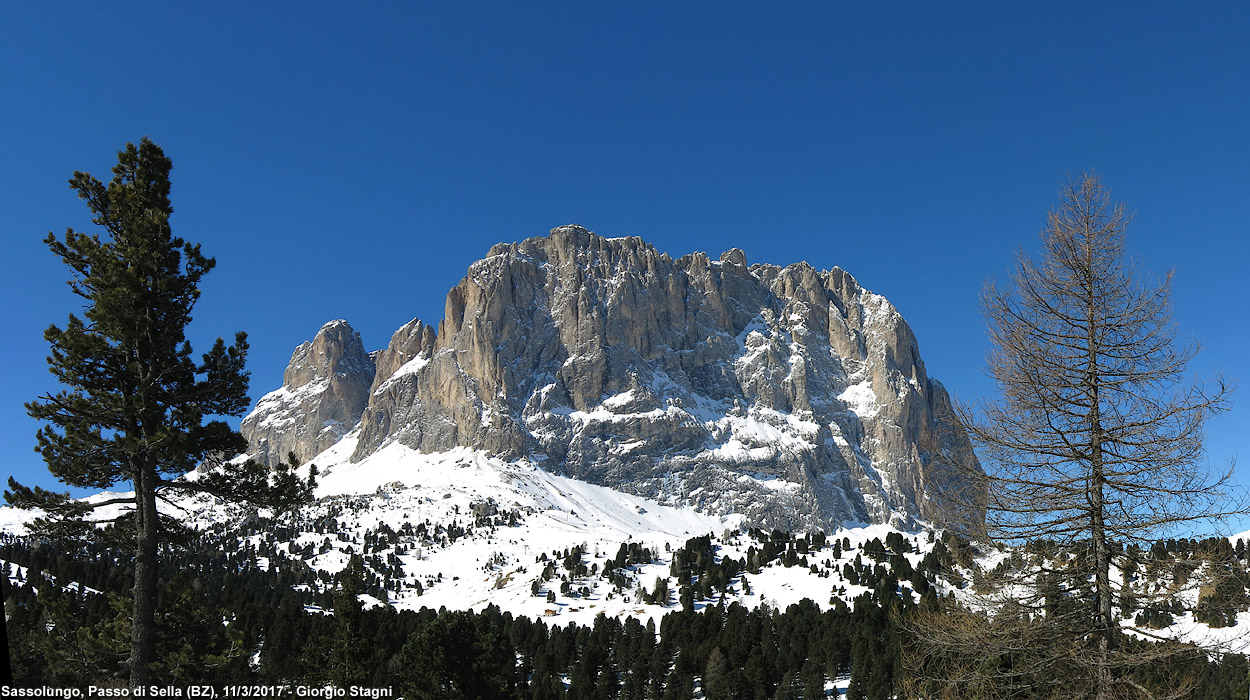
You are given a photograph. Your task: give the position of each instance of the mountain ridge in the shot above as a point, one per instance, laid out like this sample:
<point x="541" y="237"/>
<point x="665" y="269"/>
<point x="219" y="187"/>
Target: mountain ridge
<point x="789" y="395"/>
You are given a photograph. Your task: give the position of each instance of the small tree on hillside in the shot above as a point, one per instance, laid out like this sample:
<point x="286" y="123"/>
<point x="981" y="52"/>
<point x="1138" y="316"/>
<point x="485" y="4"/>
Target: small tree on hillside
<point x="1096" y="445"/>
<point x="135" y="406"/>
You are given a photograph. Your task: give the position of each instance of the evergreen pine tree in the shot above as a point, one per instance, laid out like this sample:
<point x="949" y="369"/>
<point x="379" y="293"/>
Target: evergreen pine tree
<point x="716" y="676"/>
<point x="134" y="402"/>
<point x="349" y="653"/>
<point x="813" y="678"/>
<point x="789" y="688"/>
<point x="458" y="655"/>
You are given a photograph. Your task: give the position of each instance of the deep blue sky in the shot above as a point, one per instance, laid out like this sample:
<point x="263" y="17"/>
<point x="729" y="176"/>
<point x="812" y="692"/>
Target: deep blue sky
<point x="350" y="162"/>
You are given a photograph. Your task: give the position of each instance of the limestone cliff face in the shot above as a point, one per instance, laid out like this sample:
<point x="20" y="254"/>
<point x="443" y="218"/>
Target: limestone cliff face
<point x="324" y="390"/>
<point x="788" y="394"/>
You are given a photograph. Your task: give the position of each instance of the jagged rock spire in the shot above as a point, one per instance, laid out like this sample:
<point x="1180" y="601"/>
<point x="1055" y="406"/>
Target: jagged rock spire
<point x="324" y="390"/>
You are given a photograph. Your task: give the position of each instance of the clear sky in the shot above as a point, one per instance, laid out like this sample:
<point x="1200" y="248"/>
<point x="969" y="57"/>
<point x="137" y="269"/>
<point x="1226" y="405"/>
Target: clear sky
<point x="350" y="161"/>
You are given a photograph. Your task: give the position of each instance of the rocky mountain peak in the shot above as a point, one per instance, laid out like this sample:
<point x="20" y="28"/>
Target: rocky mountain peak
<point x="413" y="341"/>
<point x="789" y="394"/>
<point x="324" y="390"/>
<point x="336" y="349"/>
<point x="734" y="256"/>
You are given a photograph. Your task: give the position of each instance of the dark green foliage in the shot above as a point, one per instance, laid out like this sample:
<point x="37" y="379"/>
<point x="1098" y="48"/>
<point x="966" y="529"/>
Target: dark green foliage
<point x="349" y="655"/>
<point x="134" y="405"/>
<point x="1223" y="598"/>
<point x="133" y="390"/>
<point x="426" y="653"/>
<point x="1154" y="617"/>
<point x="727" y="650"/>
<point x="457" y="655"/>
<point x="701" y="573"/>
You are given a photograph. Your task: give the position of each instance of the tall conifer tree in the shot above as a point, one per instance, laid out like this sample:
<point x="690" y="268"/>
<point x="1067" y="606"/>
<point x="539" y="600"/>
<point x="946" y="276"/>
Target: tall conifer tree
<point x="134" y="405"/>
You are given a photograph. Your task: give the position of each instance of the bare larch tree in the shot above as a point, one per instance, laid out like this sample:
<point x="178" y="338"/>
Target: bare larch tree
<point x="1094" y="448"/>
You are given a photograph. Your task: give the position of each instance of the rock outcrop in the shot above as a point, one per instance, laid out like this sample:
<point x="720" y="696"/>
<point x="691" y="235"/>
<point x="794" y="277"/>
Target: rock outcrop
<point x="325" y="388"/>
<point x="788" y="394"/>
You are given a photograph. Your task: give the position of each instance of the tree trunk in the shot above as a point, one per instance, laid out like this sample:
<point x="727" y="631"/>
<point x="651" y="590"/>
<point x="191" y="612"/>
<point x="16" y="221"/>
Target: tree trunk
<point x="1102" y="581"/>
<point x="143" y="623"/>
<point x="1097" y="501"/>
<point x="6" y="665"/>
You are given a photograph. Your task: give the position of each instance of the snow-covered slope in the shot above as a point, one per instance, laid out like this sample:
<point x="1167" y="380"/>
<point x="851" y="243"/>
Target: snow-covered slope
<point x="470" y="530"/>
<point x="463" y="530"/>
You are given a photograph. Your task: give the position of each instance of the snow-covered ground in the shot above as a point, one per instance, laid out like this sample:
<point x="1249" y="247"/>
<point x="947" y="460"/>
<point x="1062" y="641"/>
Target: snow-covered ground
<point x="499" y="564"/>
<point x="521" y="517"/>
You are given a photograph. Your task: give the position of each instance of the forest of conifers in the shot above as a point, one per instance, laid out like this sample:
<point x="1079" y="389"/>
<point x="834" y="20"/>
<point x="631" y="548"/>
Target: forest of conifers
<point x="224" y="620"/>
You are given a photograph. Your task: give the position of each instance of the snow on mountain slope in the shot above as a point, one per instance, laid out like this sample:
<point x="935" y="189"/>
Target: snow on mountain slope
<point x="463" y="530"/>
<point x="434" y="485"/>
<point x="471" y="530"/>
<point x="474" y="530"/>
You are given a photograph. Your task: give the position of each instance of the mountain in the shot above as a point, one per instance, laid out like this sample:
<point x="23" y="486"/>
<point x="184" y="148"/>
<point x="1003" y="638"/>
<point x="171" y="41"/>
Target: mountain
<point x="324" y="389"/>
<point x="790" y="396"/>
<point x="599" y="438"/>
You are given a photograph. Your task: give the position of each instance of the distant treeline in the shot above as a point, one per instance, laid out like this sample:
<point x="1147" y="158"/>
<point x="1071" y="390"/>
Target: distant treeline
<point x="226" y="620"/>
